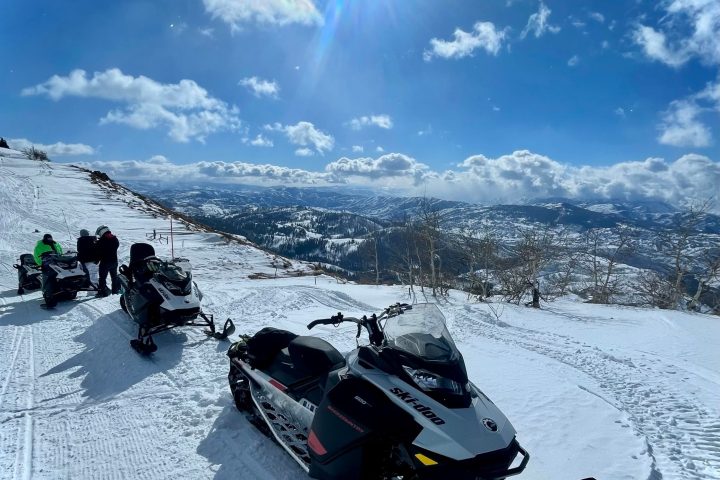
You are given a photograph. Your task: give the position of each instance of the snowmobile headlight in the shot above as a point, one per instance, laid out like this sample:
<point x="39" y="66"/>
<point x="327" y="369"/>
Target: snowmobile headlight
<point x="425" y="460"/>
<point x="432" y="382"/>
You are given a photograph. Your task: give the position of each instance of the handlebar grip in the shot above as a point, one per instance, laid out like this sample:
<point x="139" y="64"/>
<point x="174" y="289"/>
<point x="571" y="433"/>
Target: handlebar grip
<point x="334" y="320"/>
<point x="314" y="323"/>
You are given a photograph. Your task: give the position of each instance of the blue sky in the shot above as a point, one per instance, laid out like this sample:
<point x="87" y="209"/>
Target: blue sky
<point x="518" y="97"/>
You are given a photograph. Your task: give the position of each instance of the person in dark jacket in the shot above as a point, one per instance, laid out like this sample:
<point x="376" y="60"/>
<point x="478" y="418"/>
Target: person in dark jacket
<point x="107" y="247"/>
<point x="86" y="250"/>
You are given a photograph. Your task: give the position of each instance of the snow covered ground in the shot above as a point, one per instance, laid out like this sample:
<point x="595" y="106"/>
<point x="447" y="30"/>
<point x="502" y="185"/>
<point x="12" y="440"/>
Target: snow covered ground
<point x="614" y="393"/>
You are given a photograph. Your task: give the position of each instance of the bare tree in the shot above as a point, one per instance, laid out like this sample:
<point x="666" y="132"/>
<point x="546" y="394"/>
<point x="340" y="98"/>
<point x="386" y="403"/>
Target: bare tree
<point x="375" y="236"/>
<point x="603" y="251"/>
<point x="33" y="153"/>
<point x="480" y="250"/>
<point x="429" y="226"/>
<point x="676" y="243"/>
<point x="559" y="282"/>
<point x="709" y="270"/>
<point x="521" y="271"/>
<point x="656" y="290"/>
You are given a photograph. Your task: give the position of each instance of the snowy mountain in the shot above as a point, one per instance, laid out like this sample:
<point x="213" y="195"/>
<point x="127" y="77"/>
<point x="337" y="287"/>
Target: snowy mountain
<point x="614" y="393"/>
<point x="223" y="199"/>
<point x="337" y="227"/>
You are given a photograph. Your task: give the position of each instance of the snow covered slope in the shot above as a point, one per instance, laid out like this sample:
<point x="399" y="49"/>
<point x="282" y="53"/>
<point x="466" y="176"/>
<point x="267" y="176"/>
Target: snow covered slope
<point x="593" y="391"/>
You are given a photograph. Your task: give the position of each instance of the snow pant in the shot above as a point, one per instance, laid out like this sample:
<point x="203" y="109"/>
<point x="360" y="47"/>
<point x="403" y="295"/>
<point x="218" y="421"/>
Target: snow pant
<point x="90" y="271"/>
<point x="49" y="284"/>
<point x="111" y="268"/>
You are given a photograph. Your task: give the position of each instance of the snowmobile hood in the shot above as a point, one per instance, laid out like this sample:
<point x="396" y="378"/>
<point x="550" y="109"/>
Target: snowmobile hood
<point x="457" y="433"/>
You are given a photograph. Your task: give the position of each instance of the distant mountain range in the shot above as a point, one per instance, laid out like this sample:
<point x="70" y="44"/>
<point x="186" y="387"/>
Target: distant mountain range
<point x="209" y="200"/>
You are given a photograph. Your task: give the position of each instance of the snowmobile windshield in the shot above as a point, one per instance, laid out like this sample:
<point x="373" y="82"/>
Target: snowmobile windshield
<point x="421" y="332"/>
<point x="170" y="271"/>
<point x="176" y="279"/>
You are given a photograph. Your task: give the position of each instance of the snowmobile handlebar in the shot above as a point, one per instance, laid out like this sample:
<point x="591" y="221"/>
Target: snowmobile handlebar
<point x="371" y="323"/>
<point x="334" y="320"/>
<point x="390" y="311"/>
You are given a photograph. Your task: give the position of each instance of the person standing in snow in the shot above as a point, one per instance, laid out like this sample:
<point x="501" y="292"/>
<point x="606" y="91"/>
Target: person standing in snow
<point x="86" y="250"/>
<point x="107" y="247"/>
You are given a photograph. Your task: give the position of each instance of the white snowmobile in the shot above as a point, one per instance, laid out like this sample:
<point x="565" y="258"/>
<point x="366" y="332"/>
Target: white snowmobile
<point x="400" y="407"/>
<point x="160" y="295"/>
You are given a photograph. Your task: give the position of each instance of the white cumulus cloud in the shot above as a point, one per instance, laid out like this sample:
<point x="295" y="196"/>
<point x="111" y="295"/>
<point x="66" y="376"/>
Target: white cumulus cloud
<point x="684" y="124"/>
<point x="690" y="28"/>
<point x="573" y="61"/>
<point x="538" y="23"/>
<point x="484" y="35"/>
<point x="259" y="141"/>
<point x="304" y="134"/>
<point x="260" y="87"/>
<point x="185" y="109"/>
<point x="520" y="175"/>
<point x="654" y="45"/>
<point x="271" y="12"/>
<point x="385" y="166"/>
<point x="524" y="174"/>
<point x="58" y="149"/>
<point x="381" y="121"/>
<point x="597" y="16"/>
<point x="304" y="152"/>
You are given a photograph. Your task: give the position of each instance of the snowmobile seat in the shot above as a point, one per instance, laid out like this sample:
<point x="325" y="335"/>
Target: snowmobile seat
<point x="314" y="355"/>
<point x="27" y="259"/>
<point x="136" y="269"/>
<point x="139" y="252"/>
<point x="265" y="345"/>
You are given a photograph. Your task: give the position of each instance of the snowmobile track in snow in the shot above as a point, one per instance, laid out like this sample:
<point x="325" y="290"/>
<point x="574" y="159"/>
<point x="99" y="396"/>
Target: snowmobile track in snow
<point x="669" y="418"/>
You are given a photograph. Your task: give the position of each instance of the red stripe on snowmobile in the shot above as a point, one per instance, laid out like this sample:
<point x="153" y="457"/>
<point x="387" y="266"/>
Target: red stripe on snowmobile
<point x="277" y="385"/>
<point x="315" y="445"/>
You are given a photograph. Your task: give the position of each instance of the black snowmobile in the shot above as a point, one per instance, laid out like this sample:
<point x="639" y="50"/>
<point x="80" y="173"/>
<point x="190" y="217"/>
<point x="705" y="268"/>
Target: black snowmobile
<point x="28" y="273"/>
<point x="400" y="407"/>
<point x="62" y="278"/>
<point x="160" y="295"/>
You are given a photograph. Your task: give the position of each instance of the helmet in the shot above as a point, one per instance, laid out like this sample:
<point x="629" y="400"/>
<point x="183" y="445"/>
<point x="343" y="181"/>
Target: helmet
<point x="84" y="233"/>
<point x="47" y="238"/>
<point x="102" y="230"/>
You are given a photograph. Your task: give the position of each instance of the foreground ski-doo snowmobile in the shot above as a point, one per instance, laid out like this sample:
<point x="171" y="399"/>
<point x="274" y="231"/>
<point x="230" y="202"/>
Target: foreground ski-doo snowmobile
<point x="62" y="278"/>
<point x="160" y="295"/>
<point x="28" y="273"/>
<point x="400" y="407"/>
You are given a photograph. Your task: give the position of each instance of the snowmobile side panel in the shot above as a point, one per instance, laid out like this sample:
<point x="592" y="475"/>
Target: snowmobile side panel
<point x="353" y="429"/>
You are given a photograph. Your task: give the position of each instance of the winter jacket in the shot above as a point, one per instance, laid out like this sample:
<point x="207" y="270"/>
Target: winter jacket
<point x="87" y="249"/>
<point x="42" y="248"/>
<point x="107" y="248"/>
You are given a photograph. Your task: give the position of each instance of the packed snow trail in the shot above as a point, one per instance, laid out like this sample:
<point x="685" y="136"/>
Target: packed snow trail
<point x="681" y="431"/>
<point x="605" y="392"/>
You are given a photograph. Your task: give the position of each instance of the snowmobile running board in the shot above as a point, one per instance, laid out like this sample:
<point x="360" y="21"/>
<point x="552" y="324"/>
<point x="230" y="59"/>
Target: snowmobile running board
<point x="284" y="433"/>
<point x="145" y="345"/>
